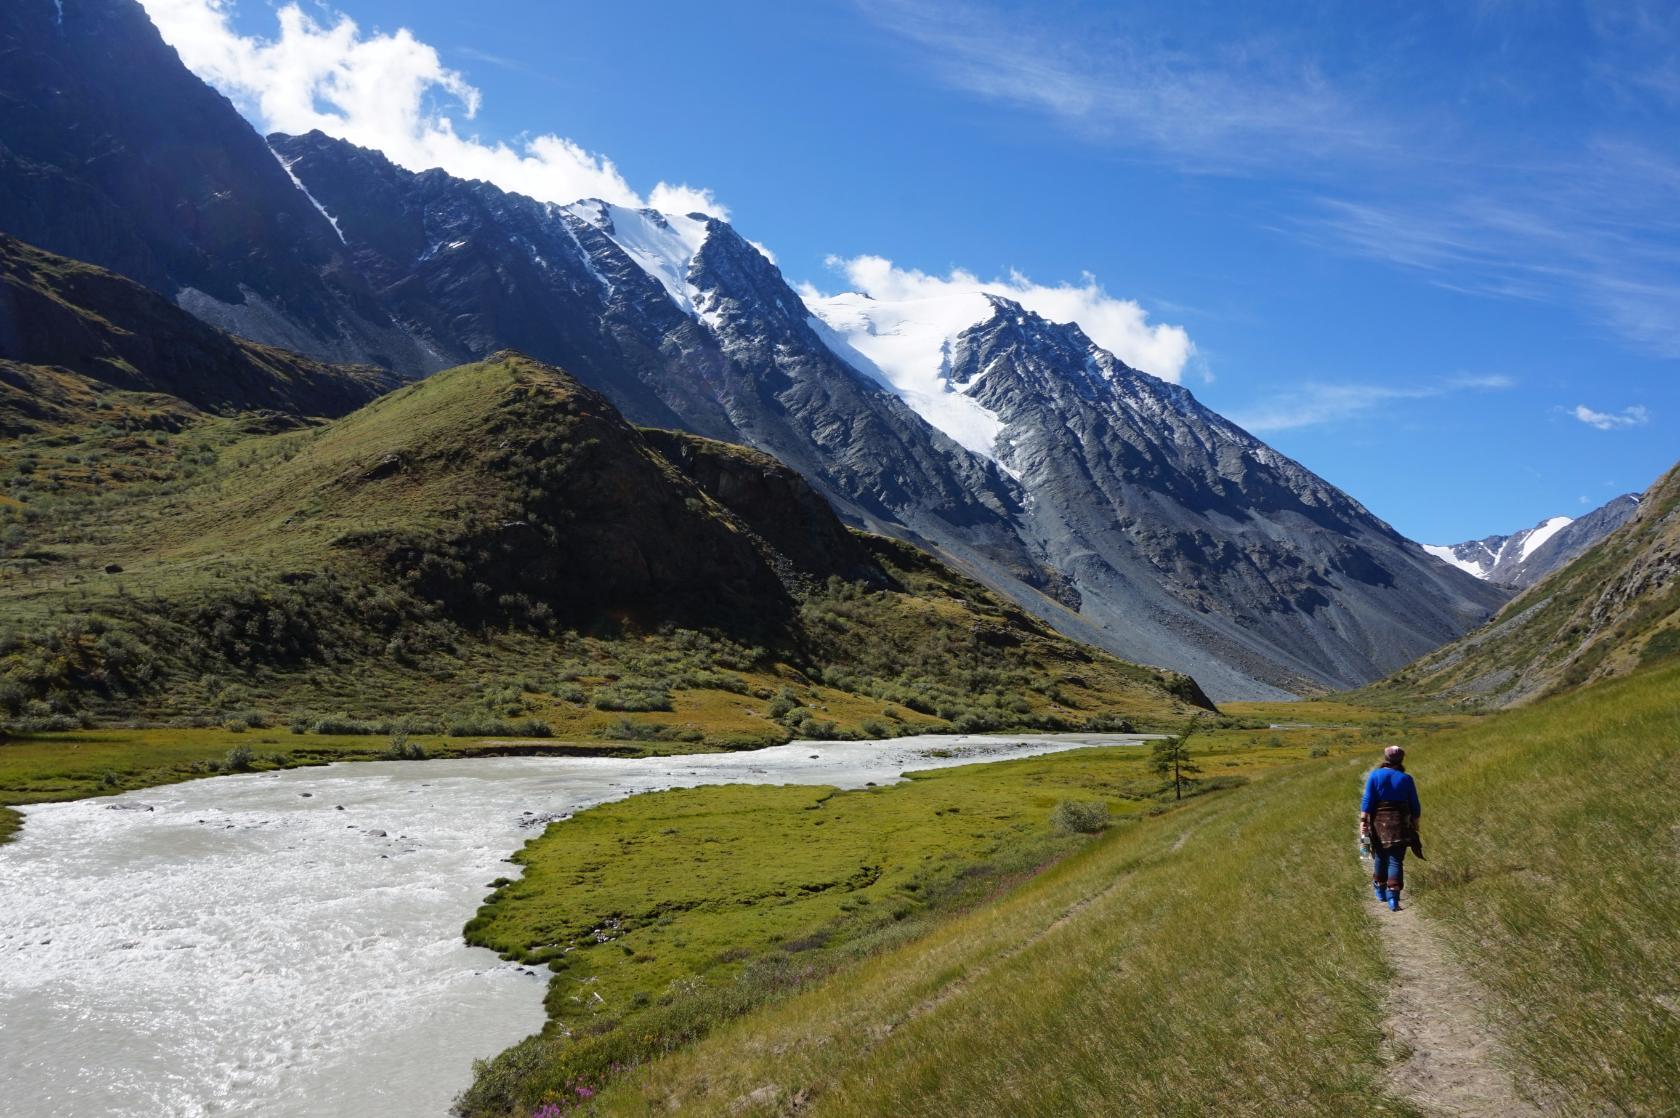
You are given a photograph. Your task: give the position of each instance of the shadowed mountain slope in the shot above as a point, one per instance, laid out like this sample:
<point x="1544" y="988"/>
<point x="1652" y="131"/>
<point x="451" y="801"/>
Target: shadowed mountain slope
<point x="112" y="152"/>
<point x="84" y="320"/>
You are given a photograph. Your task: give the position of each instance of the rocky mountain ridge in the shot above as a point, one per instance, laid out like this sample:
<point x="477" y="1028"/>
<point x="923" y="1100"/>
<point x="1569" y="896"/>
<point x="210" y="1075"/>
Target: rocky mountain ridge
<point x="1613" y="609"/>
<point x="1525" y="557"/>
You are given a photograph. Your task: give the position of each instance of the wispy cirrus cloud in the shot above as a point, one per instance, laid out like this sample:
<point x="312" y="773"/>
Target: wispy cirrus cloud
<point x="1635" y="415"/>
<point x="1217" y="107"/>
<point x="1447" y="170"/>
<point x="1315" y="404"/>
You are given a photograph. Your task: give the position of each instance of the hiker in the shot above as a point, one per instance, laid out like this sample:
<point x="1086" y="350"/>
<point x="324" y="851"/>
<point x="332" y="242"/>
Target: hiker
<point x="1388" y="816"/>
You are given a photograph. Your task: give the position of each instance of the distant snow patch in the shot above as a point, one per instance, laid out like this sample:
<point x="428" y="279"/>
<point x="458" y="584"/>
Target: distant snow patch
<point x="662" y="245"/>
<point x="1447" y="555"/>
<point x="906" y="345"/>
<point x="297" y="182"/>
<point x="1541" y="534"/>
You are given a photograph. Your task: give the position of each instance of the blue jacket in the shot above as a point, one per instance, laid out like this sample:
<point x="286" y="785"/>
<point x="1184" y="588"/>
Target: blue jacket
<point x="1390" y="784"/>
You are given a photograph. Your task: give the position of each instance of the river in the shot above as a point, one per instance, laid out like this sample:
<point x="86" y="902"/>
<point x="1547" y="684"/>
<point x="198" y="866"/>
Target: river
<point x="289" y="944"/>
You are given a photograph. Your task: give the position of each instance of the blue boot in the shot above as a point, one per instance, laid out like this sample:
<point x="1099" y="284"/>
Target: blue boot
<point x="1393" y="901"/>
<point x="1380" y="890"/>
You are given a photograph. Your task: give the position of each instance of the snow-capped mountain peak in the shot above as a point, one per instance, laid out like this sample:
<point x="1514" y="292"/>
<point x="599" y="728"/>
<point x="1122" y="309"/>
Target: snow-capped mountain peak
<point x="1540" y="533"/>
<point x="662" y="245"/>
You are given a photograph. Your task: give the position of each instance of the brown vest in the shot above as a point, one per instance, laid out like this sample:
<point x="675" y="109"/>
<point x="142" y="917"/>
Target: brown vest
<point x="1390" y="823"/>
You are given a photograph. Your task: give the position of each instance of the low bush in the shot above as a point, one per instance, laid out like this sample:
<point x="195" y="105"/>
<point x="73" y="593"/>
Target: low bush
<point x="402" y="749"/>
<point x="634" y="695"/>
<point x="1079" y="817"/>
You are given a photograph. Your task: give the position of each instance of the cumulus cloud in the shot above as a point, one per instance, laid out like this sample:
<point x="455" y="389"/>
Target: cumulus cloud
<point x="1633" y="416"/>
<point x="1120" y="326"/>
<point x="390" y="92"/>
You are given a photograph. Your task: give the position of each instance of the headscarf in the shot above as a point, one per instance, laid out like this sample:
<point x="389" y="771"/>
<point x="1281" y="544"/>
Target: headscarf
<point x="1395" y="758"/>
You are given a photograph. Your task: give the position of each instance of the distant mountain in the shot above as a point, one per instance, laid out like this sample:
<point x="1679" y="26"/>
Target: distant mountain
<point x="1526" y="557"/>
<point x="1104" y="500"/>
<point x="1611" y="610"/>
<point x="1173" y="526"/>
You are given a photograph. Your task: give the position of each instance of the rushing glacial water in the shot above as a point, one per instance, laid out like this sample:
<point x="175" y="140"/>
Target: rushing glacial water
<point x="289" y="944"/>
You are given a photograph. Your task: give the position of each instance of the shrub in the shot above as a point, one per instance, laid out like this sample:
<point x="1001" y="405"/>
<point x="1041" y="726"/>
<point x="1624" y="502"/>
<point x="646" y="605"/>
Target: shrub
<point x="633" y="695"/>
<point x="1082" y="817"/>
<point x="401" y="749"/>
<point x="238" y="759"/>
<point x="344" y="724"/>
<point x="475" y="727"/>
<point x="783" y="704"/>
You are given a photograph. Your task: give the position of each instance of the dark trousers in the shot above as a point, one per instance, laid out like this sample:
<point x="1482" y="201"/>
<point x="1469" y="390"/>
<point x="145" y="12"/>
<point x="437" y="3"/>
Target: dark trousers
<point x="1388" y="863"/>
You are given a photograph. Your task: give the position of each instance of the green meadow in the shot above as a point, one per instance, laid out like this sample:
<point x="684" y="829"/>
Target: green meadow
<point x="772" y="951"/>
<point x="668" y="915"/>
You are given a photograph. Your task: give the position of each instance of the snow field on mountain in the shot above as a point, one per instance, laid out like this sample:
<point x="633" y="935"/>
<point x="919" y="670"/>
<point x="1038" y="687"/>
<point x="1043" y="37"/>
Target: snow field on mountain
<point x="906" y="345"/>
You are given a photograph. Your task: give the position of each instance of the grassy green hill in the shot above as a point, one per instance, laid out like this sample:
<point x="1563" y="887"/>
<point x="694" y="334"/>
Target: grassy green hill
<point x="495" y="551"/>
<point x="1611" y="611"/>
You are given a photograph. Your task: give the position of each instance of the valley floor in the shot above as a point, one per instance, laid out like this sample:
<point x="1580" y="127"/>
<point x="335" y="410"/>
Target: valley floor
<point x="959" y="941"/>
<point x="1219" y="956"/>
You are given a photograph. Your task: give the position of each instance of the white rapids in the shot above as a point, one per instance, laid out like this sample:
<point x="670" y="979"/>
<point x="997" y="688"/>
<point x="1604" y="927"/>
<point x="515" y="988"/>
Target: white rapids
<point x="289" y="944"/>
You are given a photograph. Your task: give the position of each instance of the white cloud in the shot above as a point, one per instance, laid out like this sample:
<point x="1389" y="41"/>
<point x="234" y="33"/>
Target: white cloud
<point x="1120" y="326"/>
<point x="1633" y="416"/>
<point x="1225" y="106"/>
<point x="390" y="92"/>
<point x="1313" y="404"/>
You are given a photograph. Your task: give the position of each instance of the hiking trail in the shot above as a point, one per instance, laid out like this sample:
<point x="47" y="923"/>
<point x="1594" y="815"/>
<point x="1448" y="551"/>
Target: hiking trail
<point x="1455" y="1066"/>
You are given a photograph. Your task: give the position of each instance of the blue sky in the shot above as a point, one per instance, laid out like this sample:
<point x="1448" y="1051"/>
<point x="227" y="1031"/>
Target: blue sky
<point x="1432" y="251"/>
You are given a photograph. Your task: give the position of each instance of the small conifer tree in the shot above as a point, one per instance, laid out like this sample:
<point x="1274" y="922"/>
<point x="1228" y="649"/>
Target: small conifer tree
<point x="1170" y="758"/>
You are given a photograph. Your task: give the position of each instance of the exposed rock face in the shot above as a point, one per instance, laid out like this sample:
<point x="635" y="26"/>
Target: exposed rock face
<point x="70" y="315"/>
<point x="113" y="153"/>
<point x="1614" y="608"/>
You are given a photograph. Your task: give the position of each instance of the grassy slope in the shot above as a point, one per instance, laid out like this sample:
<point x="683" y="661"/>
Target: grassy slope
<point x="1221" y="959"/>
<point x="1610" y="611"/>
<point x="665" y="915"/>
